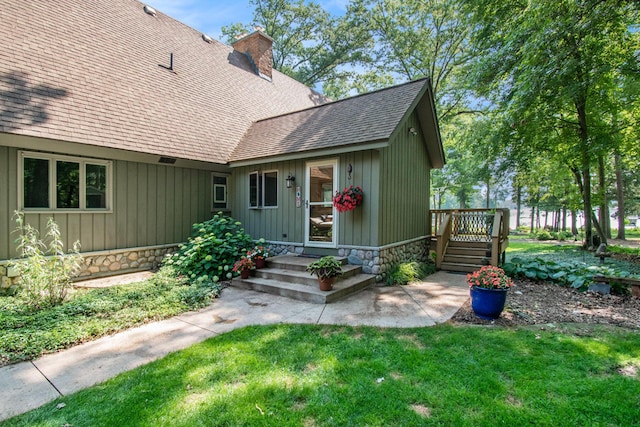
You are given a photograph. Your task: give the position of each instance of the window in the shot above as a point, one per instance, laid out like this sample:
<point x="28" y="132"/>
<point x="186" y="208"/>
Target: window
<point x="60" y="182"/>
<point x="263" y="189"/>
<point x="219" y="192"/>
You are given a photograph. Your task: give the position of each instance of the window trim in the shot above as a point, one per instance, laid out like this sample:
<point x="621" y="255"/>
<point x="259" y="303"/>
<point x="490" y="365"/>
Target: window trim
<point x="261" y="191"/>
<point x="213" y="192"/>
<point x="53" y="158"/>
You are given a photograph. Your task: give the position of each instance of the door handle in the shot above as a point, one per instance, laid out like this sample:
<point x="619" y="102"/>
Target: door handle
<point x="306" y="204"/>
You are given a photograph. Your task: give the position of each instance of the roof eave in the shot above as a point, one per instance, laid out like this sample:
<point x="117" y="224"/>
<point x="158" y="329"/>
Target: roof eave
<point x="332" y="151"/>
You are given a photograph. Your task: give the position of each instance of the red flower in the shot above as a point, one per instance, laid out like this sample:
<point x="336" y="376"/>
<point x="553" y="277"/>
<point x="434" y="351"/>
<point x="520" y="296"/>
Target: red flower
<point x="348" y="199"/>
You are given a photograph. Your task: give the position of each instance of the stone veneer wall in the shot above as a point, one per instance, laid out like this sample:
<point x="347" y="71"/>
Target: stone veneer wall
<point x="376" y="261"/>
<point x="104" y="263"/>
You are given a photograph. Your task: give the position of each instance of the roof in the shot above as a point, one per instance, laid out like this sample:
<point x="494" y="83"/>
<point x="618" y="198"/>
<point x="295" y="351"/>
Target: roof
<point x="95" y="72"/>
<point x="362" y="119"/>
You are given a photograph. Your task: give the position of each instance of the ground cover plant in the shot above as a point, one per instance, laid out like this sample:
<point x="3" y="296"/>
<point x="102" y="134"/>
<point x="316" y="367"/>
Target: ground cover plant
<point x="332" y="375"/>
<point x="88" y="314"/>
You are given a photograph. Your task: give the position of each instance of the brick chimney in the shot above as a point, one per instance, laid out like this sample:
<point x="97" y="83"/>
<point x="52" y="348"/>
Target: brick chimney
<point x="257" y="46"/>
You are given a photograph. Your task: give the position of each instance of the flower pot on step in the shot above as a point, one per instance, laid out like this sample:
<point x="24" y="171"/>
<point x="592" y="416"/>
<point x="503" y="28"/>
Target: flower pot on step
<point x="260" y="262"/>
<point x="326" y="283"/>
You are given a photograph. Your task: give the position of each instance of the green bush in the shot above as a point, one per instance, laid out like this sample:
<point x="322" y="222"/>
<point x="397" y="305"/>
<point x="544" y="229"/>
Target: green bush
<point x="212" y="249"/>
<point x="406" y="272"/>
<point x="45" y="271"/>
<point x="543" y="235"/>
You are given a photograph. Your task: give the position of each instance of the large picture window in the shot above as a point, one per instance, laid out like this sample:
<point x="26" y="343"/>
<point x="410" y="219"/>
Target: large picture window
<point x="63" y="183"/>
<point x="263" y="189"/>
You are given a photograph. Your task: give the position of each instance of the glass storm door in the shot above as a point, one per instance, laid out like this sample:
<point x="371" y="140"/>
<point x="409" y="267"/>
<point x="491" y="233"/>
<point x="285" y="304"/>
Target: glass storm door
<point x="321" y="221"/>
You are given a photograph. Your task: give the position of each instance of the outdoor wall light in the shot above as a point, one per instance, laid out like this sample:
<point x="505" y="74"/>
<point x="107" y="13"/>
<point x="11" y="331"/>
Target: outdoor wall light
<point x="413" y="131"/>
<point x="290" y="180"/>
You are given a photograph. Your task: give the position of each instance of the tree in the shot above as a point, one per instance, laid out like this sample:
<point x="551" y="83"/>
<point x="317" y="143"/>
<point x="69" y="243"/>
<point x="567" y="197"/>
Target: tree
<point x="309" y="45"/>
<point x="542" y="62"/>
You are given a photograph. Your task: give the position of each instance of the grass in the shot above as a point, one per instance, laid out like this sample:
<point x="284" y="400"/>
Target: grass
<point x="309" y="375"/>
<point x="89" y="314"/>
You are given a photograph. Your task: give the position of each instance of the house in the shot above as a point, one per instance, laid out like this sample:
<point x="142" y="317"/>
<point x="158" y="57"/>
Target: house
<point x="127" y="127"/>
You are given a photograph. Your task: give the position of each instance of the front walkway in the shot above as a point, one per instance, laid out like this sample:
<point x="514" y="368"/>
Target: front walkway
<point x="28" y="385"/>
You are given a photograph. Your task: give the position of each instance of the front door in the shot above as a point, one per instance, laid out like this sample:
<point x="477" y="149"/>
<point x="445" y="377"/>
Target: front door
<point x="321" y="221"/>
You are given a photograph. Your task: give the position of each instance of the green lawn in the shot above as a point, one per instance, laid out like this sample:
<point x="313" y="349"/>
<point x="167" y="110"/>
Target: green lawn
<point x="309" y="375"/>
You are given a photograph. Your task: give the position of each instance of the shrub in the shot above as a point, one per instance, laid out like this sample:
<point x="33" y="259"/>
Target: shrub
<point x="45" y="271"/>
<point x="568" y="273"/>
<point x="211" y="250"/>
<point x="406" y="272"/>
<point x="543" y="235"/>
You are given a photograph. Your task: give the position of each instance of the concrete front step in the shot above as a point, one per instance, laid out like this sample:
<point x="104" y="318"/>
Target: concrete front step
<point x="459" y="267"/>
<point x="296" y="262"/>
<point x="343" y="287"/>
<point x="302" y="277"/>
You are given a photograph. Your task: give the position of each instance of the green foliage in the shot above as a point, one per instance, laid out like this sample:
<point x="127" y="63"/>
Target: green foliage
<point x="325" y="267"/>
<point x="211" y="250"/>
<point x="89" y="314"/>
<point x="310" y="45"/>
<point x="569" y="273"/>
<point x="345" y="376"/>
<point x="623" y="250"/>
<point x="45" y="270"/>
<point x="406" y="272"/>
<point x="543" y="235"/>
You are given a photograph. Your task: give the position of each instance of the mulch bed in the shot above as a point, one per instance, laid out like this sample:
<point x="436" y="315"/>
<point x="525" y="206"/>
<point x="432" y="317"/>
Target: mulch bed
<point x="538" y="303"/>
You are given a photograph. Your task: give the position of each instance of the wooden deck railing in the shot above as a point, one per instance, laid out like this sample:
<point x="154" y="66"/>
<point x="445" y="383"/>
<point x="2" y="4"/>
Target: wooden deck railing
<point x="471" y="225"/>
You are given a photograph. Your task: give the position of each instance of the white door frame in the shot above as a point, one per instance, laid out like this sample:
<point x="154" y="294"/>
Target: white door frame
<point x="307" y="204"/>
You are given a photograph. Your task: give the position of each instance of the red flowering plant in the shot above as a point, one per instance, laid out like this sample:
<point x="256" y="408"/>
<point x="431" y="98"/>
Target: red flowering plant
<point x="348" y="199"/>
<point x="243" y="263"/>
<point x="489" y="277"/>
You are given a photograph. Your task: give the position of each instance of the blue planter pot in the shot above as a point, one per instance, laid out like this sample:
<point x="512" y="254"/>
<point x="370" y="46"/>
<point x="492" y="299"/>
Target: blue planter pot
<point x="488" y="303"/>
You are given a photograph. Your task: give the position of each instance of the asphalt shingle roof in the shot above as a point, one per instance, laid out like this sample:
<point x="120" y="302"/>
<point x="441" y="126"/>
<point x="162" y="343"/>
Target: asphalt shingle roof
<point x="360" y="119"/>
<point x="89" y="71"/>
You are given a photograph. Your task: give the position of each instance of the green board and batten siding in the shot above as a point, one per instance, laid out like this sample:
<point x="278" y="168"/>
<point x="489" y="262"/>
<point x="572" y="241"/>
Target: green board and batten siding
<point x="355" y="228"/>
<point x="404" y="183"/>
<point x="152" y="205"/>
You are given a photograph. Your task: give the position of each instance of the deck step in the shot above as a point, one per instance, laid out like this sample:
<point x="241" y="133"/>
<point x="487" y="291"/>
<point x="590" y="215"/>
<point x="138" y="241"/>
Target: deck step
<point x="459" y="250"/>
<point x="469" y="244"/>
<point x="309" y="293"/>
<point x="459" y="267"/>
<point x="466" y="259"/>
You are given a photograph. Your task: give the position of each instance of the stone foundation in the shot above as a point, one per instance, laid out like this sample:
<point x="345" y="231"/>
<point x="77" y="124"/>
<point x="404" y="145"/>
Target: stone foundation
<point x="283" y="249"/>
<point x="379" y="261"/>
<point x="103" y="263"/>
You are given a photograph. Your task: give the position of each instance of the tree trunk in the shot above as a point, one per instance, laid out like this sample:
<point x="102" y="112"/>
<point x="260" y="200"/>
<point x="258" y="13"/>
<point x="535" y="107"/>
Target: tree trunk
<point x="605" y="224"/>
<point x="619" y="195"/>
<point x="488" y="195"/>
<point x="533" y="216"/>
<point x="518" y="205"/>
<point x="574" y="222"/>
<point x="564" y="218"/>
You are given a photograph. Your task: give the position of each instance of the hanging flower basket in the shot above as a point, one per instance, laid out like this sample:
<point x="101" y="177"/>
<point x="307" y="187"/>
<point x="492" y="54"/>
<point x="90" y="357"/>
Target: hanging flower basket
<point x="348" y="199"/>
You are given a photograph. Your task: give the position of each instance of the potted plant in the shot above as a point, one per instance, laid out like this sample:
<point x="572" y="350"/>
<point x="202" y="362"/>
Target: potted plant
<point x="348" y="199"/>
<point x="259" y="255"/>
<point x="243" y="266"/>
<point x="326" y="269"/>
<point x="488" y="288"/>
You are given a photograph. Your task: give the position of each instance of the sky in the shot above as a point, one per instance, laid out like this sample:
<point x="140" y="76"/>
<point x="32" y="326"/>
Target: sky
<point x="209" y="16"/>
